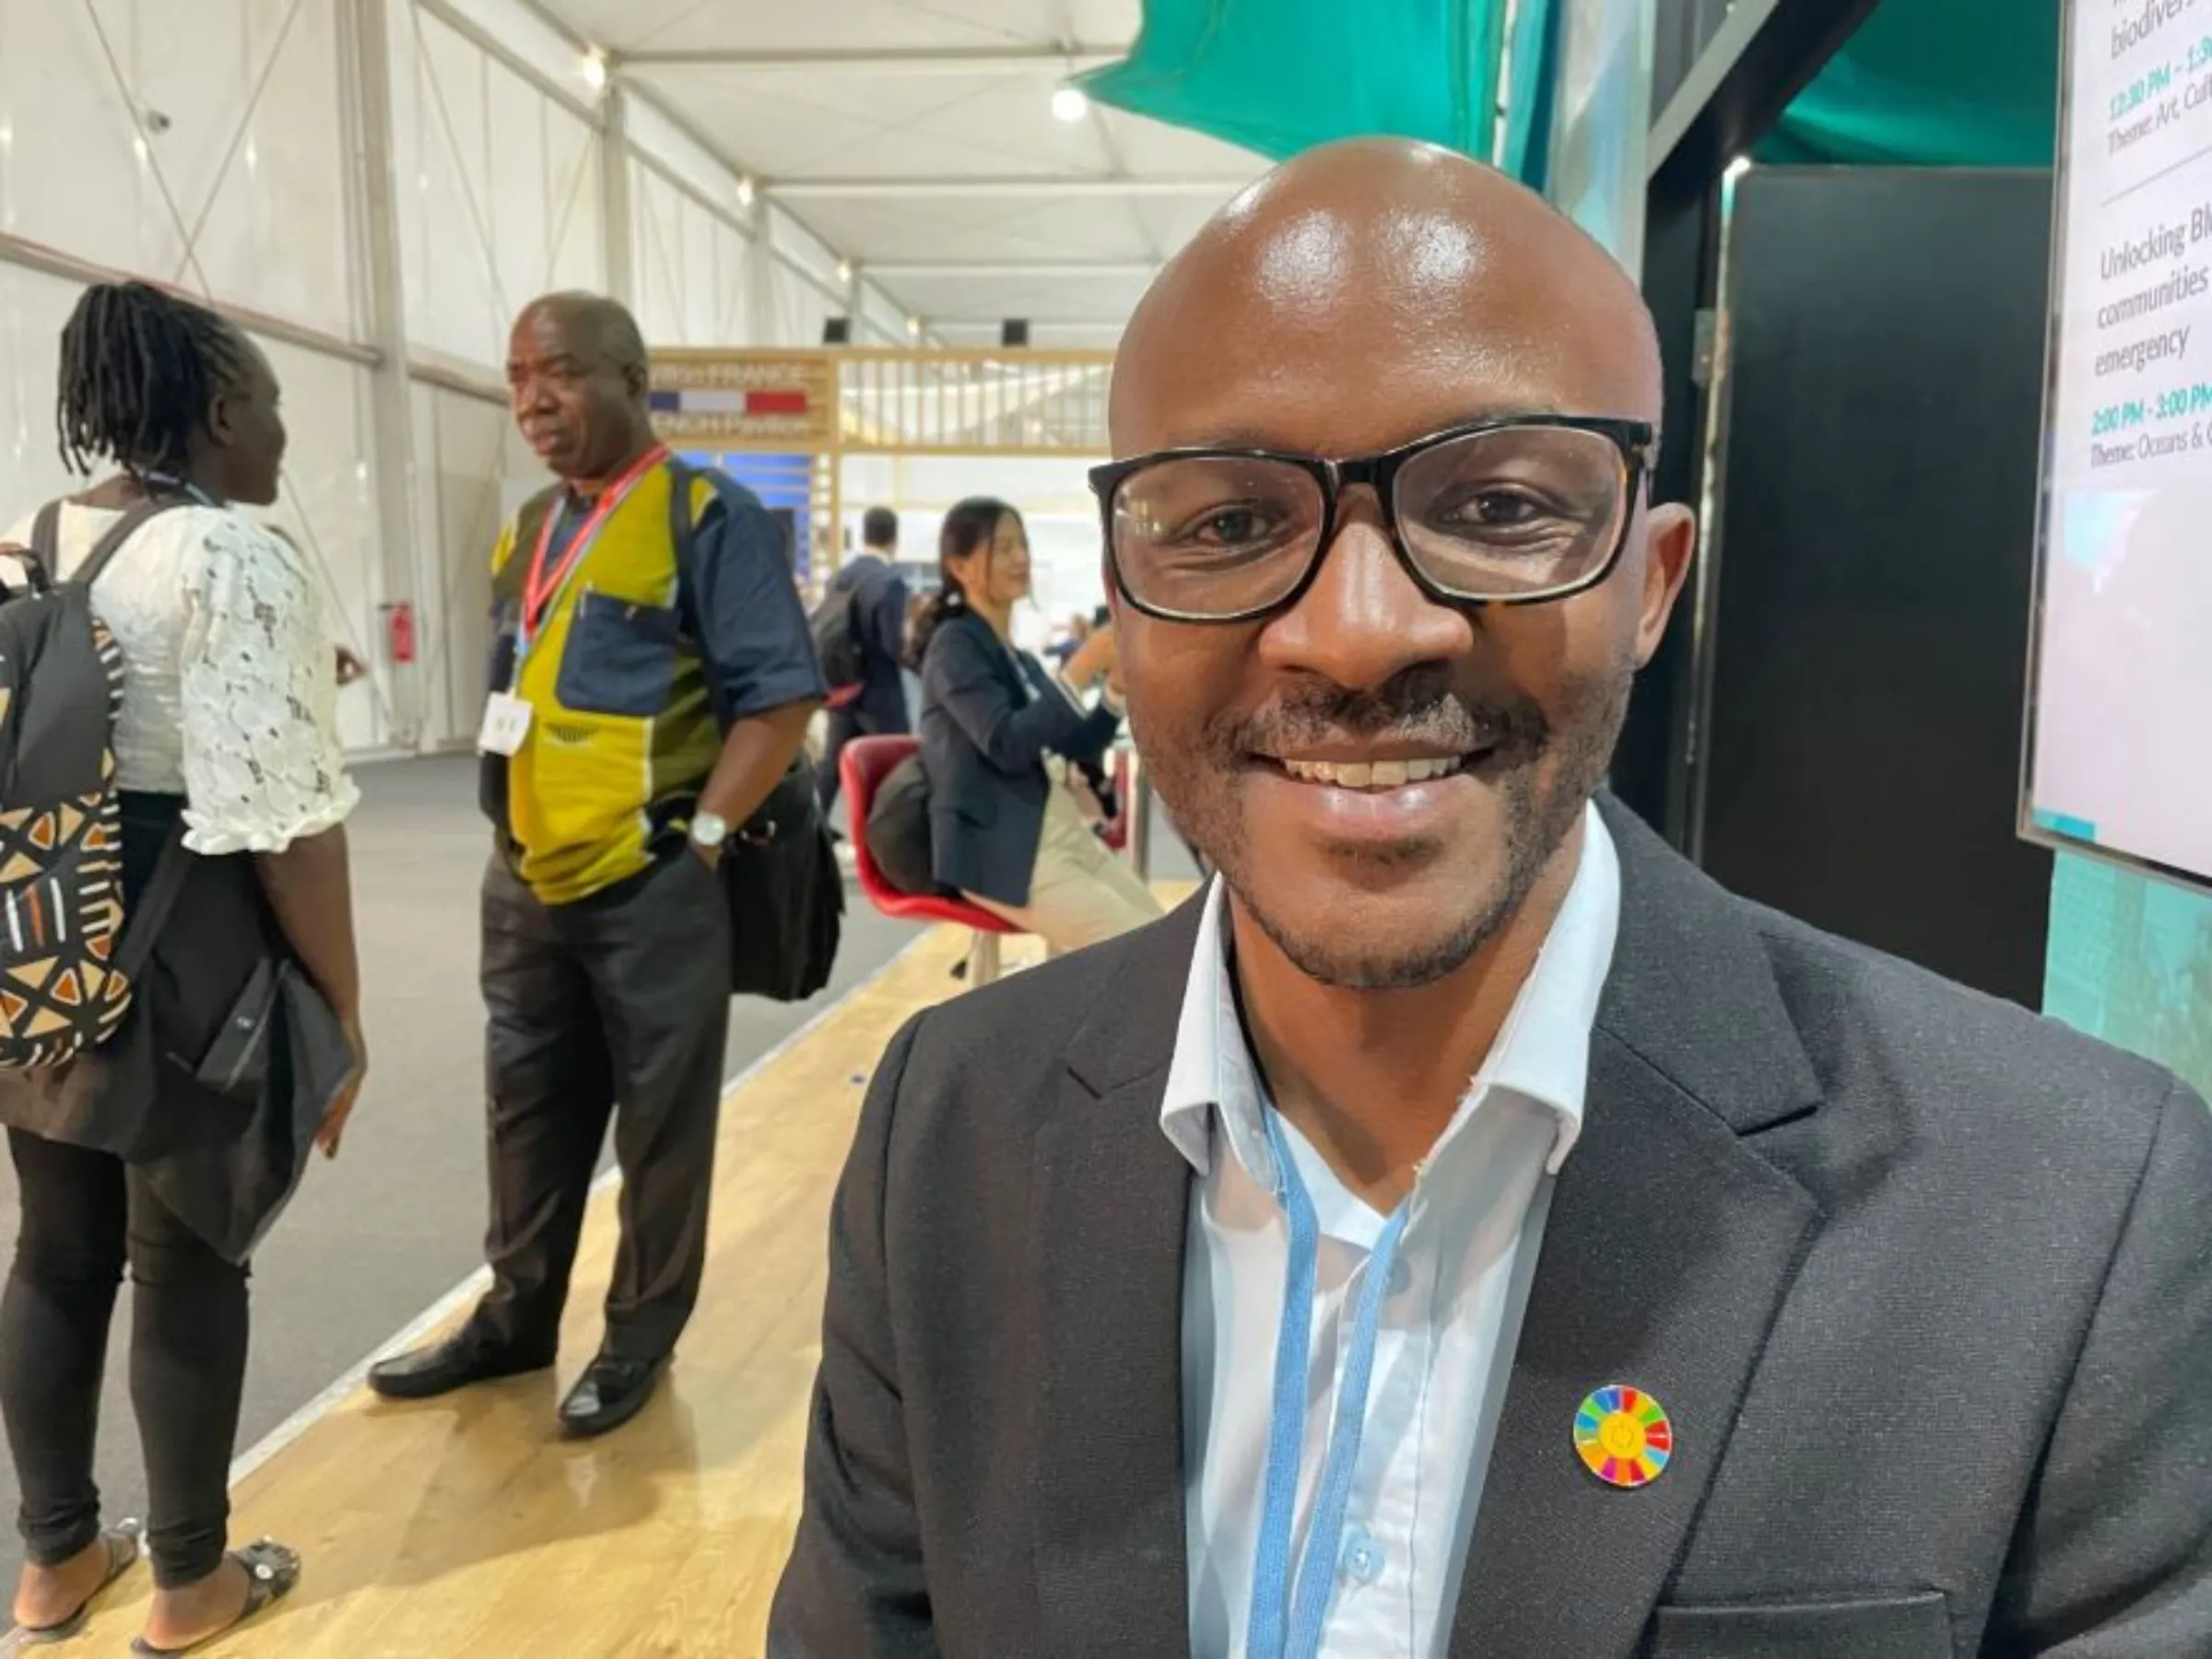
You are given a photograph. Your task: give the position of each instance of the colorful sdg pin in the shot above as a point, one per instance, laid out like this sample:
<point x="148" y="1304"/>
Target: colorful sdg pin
<point x="1624" y="1437"/>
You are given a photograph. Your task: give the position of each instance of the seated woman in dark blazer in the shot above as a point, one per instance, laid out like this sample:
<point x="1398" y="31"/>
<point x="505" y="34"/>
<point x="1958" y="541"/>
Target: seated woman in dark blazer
<point x="1003" y="831"/>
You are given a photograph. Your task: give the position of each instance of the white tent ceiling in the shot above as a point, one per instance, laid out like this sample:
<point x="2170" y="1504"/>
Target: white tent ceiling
<point x="917" y="140"/>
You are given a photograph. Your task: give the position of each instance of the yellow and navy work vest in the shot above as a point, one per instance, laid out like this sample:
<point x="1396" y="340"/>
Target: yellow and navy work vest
<point x="623" y="735"/>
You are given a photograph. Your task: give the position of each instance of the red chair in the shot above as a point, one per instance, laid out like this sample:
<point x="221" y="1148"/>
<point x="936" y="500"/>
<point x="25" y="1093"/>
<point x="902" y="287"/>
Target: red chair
<point x="861" y="770"/>
<point x="1116" y="835"/>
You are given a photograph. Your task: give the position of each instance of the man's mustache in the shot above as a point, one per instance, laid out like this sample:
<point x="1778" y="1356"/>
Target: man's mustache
<point x="1415" y="710"/>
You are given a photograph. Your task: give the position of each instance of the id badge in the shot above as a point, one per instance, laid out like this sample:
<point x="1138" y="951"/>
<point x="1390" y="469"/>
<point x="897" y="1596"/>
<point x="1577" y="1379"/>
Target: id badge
<point x="506" y="724"/>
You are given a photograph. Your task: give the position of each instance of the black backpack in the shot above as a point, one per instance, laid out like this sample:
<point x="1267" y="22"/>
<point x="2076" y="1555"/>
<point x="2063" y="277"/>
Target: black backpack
<point x="65" y="966"/>
<point x="836" y="625"/>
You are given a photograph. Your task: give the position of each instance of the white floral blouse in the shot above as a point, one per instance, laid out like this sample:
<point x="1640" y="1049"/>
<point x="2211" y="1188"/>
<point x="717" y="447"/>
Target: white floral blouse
<point x="229" y="694"/>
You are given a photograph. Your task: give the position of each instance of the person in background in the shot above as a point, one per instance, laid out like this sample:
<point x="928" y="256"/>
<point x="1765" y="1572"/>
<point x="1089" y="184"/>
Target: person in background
<point x="1090" y="781"/>
<point x="1070" y="641"/>
<point x="651" y="690"/>
<point x="909" y="659"/>
<point x="880" y="599"/>
<point x="1003" y="831"/>
<point x="227" y="722"/>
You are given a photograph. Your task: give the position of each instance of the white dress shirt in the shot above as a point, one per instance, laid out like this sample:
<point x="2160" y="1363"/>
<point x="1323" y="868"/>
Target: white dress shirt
<point x="1451" y="1319"/>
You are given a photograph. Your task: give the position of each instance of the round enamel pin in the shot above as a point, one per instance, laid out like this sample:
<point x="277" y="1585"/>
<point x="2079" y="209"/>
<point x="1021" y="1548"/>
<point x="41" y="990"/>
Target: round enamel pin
<point x="1624" y="1437"/>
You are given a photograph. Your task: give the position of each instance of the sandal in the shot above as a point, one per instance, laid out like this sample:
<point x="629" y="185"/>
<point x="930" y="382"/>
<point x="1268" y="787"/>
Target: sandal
<point x="123" y="1544"/>
<point x="272" y="1573"/>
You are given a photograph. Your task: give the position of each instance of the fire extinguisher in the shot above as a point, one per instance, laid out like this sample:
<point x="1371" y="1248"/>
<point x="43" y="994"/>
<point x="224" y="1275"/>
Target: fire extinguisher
<point x="399" y="632"/>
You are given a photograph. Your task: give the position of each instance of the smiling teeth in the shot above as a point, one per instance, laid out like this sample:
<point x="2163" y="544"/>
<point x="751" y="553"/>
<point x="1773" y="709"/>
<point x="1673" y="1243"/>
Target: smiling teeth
<point x="1379" y="775"/>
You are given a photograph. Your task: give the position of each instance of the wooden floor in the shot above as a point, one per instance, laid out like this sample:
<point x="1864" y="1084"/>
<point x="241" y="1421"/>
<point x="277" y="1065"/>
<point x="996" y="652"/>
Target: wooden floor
<point x="462" y="1527"/>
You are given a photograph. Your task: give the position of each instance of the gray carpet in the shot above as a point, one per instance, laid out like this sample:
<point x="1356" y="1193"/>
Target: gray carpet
<point x="398" y="1219"/>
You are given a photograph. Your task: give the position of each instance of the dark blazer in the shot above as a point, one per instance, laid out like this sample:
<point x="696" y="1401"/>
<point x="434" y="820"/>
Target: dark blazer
<point x="879" y="618"/>
<point x="983" y="742"/>
<point x="1925" y="1282"/>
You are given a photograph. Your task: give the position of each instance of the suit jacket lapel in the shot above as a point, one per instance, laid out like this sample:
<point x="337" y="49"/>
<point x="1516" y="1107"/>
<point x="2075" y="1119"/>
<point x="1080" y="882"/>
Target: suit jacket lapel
<point x="1670" y="1247"/>
<point x="1112" y="1199"/>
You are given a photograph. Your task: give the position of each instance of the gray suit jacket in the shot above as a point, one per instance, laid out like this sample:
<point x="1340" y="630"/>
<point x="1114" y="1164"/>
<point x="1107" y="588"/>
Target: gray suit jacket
<point x="1925" y="1282"/>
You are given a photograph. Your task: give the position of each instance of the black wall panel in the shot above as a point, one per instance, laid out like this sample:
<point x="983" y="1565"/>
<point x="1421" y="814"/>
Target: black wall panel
<point x="1883" y="395"/>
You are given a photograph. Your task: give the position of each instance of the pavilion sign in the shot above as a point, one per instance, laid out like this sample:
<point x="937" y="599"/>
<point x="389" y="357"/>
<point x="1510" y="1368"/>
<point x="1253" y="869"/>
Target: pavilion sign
<point x="740" y="400"/>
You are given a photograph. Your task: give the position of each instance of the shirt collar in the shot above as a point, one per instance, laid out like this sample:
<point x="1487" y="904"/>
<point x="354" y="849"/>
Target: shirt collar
<point x="1542" y="1051"/>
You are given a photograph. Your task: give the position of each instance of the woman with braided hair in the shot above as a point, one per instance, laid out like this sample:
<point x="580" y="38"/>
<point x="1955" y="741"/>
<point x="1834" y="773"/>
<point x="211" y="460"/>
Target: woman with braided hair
<point x="225" y="738"/>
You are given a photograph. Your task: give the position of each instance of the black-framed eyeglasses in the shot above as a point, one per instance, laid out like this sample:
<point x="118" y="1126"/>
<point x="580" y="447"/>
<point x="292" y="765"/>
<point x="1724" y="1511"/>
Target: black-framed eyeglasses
<point x="1515" y="511"/>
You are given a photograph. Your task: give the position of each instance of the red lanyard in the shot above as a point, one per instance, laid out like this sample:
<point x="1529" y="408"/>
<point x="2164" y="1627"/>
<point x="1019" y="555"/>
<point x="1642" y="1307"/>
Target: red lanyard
<point x="538" y="586"/>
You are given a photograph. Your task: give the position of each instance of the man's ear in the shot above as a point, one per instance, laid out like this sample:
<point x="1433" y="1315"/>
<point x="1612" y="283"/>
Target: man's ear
<point x="637" y="377"/>
<point x="1670" y="542"/>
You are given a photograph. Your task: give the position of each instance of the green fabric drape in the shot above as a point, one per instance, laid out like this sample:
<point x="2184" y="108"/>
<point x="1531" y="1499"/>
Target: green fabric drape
<point x="1280" y="76"/>
<point x="1533" y="74"/>
<point x="1923" y="82"/>
<point x="1933" y="83"/>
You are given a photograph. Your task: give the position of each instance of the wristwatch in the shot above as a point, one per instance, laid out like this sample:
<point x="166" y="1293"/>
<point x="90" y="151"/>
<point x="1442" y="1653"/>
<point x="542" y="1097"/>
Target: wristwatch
<point x="710" y="830"/>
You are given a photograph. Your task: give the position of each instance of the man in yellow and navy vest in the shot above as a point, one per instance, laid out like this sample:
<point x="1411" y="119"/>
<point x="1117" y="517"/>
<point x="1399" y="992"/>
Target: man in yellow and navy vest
<point x="651" y="678"/>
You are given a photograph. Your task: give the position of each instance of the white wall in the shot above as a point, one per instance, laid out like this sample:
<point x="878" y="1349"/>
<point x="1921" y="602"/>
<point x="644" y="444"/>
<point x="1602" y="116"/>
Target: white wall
<point x="880" y="322"/>
<point x="690" y="265"/>
<point x="499" y="185"/>
<point x="224" y="147"/>
<point x="202" y="146"/>
<point x="691" y="242"/>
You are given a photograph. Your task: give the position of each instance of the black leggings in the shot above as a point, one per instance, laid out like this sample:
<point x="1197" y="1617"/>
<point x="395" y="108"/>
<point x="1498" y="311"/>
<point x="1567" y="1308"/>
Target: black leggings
<point x="84" y="1214"/>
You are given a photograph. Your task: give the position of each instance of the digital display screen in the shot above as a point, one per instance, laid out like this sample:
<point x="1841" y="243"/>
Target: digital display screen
<point x="2120" y="750"/>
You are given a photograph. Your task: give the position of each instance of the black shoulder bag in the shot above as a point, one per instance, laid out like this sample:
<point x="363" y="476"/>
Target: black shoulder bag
<point x="780" y="878"/>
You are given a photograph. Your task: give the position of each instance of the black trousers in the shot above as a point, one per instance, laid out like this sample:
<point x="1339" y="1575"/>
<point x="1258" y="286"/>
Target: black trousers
<point x="86" y="1217"/>
<point x="85" y="1214"/>
<point x="616" y="1005"/>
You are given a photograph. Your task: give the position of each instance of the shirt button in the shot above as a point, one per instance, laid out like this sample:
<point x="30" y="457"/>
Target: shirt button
<point x="1362" y="1559"/>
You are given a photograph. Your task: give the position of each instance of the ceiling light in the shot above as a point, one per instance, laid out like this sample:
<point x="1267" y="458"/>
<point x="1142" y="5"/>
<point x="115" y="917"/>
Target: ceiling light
<point x="913" y="328"/>
<point x="746" y="190"/>
<point x="1069" y="104"/>
<point x="594" y="69"/>
<point x="1738" y="169"/>
<point x="844" y="271"/>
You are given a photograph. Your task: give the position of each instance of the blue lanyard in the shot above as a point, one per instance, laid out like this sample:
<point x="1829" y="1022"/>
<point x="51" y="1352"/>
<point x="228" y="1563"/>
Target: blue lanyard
<point x="172" y="482"/>
<point x="1289" y="1613"/>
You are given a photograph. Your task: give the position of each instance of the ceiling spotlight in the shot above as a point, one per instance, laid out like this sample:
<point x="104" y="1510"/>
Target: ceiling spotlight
<point x="1069" y="104"/>
<point x="913" y="328"/>
<point x="594" y="69"/>
<point x="746" y="190"/>
<point x="844" y="271"/>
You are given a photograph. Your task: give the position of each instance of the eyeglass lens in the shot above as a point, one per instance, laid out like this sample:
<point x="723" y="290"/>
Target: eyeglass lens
<point x="1505" y="514"/>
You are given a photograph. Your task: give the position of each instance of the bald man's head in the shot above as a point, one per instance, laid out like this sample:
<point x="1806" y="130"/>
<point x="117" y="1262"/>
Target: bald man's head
<point x="577" y="370"/>
<point x="1374" y="257"/>
<point x="1378" y="668"/>
<point x="602" y="324"/>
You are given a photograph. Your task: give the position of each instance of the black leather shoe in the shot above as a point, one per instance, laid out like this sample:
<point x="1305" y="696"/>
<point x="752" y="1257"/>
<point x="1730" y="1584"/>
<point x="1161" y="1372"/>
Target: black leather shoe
<point x="609" y="1394"/>
<point x="462" y="1360"/>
